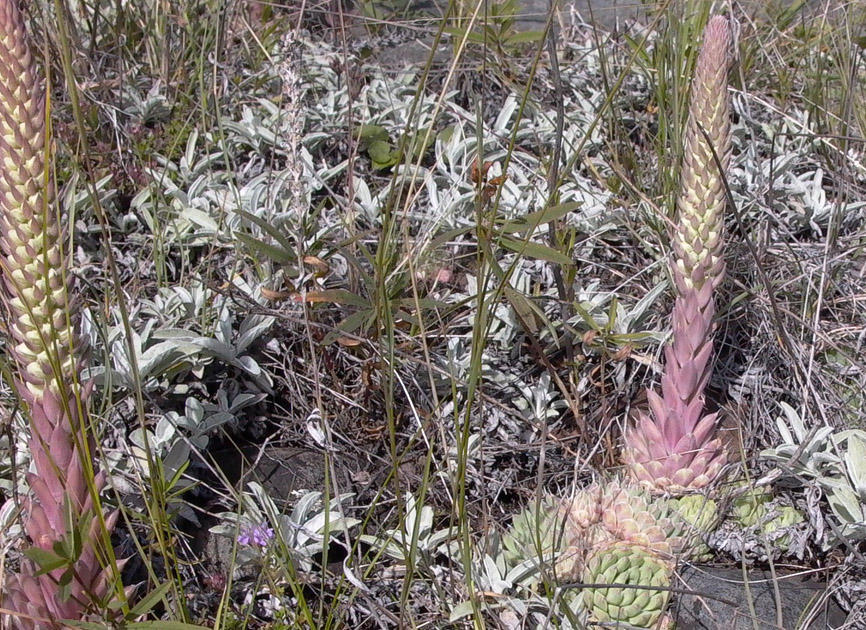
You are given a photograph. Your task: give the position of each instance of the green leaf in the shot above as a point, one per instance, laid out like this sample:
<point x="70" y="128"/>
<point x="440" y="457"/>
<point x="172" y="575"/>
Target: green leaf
<point x="177" y="476"/>
<point x="338" y="296"/>
<point x="74" y="534"/>
<point x="423" y="303"/>
<point x="380" y="151"/>
<point x="535" y="250"/>
<point x="449" y="235"/>
<point x="60" y="548"/>
<point x="150" y="600"/>
<point x="420" y="142"/>
<point x="367" y="134"/>
<point x="45" y="560"/>
<point x="401" y="315"/>
<point x="523" y="308"/>
<point x="633" y="338"/>
<point x="540" y="217"/>
<point x="383" y="154"/>
<point x="460" y="33"/>
<point x="787" y="16"/>
<point x="446" y="134"/>
<point x="274" y="253"/>
<point x="65" y="580"/>
<point x="526" y="37"/>
<point x="360" y="320"/>
<point x="163" y="625"/>
<point x="267" y="228"/>
<point x="588" y="319"/>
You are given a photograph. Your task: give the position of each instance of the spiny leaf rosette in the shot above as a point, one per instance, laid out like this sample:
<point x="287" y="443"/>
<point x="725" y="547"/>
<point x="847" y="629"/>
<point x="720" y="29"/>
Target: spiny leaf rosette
<point x="43" y="344"/>
<point x="627" y="584"/>
<point x="621" y="511"/>
<point x="534" y="533"/>
<point x="673" y="449"/>
<point x="623" y="544"/>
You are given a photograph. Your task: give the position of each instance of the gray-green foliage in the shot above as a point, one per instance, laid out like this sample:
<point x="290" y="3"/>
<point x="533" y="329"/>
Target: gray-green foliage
<point x="835" y="460"/>
<point x="299" y="534"/>
<point x="516" y="597"/>
<point x="416" y="539"/>
<point x="535" y="535"/>
<point x="168" y="345"/>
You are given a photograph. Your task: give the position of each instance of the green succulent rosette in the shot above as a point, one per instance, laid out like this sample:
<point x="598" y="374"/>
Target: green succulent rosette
<point x="786" y="517"/>
<point x="749" y="508"/>
<point x="700" y="516"/>
<point x="534" y="531"/>
<point x="642" y="580"/>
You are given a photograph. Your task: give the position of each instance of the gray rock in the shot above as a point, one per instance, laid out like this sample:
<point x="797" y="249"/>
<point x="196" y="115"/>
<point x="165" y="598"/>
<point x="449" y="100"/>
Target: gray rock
<point x="604" y="13"/>
<point x="721" y="600"/>
<point x="607" y="14"/>
<point x="281" y="471"/>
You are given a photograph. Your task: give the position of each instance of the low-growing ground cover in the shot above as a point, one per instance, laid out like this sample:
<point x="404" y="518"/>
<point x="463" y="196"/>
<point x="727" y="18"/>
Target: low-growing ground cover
<point x="371" y="292"/>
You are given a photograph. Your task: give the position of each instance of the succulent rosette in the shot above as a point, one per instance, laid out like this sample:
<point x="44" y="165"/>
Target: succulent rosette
<point x="778" y="528"/>
<point x="632" y="515"/>
<point x="756" y="508"/>
<point x="700" y="516"/>
<point x="627" y="584"/>
<point x="619" y="512"/>
<point x="749" y="507"/>
<point x="535" y="532"/>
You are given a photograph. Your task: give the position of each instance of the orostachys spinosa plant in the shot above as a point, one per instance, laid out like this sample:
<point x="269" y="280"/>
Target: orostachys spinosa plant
<point x="674" y="448"/>
<point x="619" y="534"/>
<point x="67" y="570"/>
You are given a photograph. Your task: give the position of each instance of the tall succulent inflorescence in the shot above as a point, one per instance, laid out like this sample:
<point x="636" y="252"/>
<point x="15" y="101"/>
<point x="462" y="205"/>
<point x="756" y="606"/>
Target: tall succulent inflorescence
<point x="43" y="344"/>
<point x="619" y="533"/>
<point x="674" y="448"/>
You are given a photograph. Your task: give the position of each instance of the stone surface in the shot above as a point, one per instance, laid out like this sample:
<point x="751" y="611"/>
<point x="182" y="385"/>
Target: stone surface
<point x="723" y="601"/>
<point x="607" y="14"/>
<point x="281" y="471"/>
<point x="604" y="13"/>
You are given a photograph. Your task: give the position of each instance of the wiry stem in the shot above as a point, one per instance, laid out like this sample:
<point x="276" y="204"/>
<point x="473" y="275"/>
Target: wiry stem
<point x="43" y="344"/>
<point x="673" y="449"/>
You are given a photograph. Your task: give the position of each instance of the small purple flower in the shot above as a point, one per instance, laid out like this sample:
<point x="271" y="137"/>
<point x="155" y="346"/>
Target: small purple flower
<point x="256" y="535"/>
